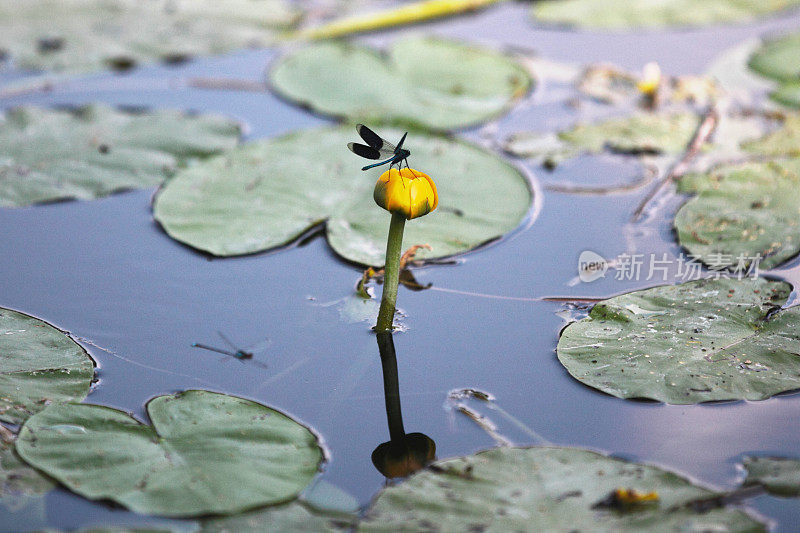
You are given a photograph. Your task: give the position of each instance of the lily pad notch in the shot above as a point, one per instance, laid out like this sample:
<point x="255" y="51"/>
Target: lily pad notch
<point x="205" y="453"/>
<point x="267" y="194"/>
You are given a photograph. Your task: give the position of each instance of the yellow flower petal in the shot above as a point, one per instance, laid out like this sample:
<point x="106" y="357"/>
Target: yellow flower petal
<point x="407" y="191"/>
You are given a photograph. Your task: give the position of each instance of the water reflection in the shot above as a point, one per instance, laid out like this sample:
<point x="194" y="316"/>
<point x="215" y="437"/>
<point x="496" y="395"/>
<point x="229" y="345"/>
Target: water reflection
<point x="404" y="453"/>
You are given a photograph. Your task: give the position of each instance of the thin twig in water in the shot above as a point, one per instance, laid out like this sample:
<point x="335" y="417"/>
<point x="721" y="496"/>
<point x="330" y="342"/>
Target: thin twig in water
<point x="227" y="84"/>
<point x="701" y="136"/>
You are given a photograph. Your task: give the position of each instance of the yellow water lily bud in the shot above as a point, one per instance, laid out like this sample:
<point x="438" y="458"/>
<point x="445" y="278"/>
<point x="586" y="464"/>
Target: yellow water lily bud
<point x="407" y="192"/>
<point x="651" y="79"/>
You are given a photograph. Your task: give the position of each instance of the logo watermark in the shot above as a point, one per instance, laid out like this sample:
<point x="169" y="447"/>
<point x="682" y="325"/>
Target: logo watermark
<point x="650" y="267"/>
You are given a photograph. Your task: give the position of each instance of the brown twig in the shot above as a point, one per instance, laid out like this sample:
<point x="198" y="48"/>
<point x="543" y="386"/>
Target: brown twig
<point x="701" y="136"/>
<point x="227" y="84"/>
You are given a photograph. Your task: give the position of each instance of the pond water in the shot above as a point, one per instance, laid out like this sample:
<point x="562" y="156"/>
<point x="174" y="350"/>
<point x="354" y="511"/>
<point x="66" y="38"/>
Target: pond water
<point x="104" y="271"/>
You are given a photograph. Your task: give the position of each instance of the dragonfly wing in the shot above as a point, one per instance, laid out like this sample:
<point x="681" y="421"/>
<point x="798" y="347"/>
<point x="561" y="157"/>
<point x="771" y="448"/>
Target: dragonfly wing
<point x="365" y="151"/>
<point x="376" y="141"/>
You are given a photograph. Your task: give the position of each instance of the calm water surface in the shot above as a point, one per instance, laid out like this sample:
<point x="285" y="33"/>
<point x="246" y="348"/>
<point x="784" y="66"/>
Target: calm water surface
<point x="106" y="273"/>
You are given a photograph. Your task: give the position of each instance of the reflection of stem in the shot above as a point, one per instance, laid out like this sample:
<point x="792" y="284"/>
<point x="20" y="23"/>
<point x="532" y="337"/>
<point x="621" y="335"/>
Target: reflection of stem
<point x="391" y="277"/>
<point x="391" y="386"/>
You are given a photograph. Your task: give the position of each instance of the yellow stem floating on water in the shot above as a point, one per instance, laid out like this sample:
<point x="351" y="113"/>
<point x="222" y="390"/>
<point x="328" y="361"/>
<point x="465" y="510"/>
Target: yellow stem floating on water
<point x="406" y="14"/>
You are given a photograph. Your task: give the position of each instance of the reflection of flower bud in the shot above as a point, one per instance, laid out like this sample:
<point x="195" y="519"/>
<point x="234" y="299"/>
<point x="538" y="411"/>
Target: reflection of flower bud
<point x="406" y="192"/>
<point x="404" y="456"/>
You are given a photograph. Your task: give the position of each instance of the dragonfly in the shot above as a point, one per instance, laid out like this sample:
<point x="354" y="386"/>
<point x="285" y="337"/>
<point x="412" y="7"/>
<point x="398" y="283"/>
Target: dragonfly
<point x="379" y="148"/>
<point x="240" y="354"/>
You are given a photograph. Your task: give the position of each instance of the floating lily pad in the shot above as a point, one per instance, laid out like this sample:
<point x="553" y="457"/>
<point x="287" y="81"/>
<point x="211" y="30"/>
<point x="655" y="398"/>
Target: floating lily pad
<point x="742" y="211"/>
<point x="40" y="364"/>
<point x="295" y="517"/>
<point x="641" y="133"/>
<point x="17" y="478"/>
<point x="84" y="35"/>
<point x="266" y="194"/>
<point x="206" y="453"/>
<point x="544" y="489"/>
<point x="698" y="341"/>
<point x="785" y="141"/>
<point x="778" y="59"/>
<point x="778" y="475"/>
<point x="52" y="155"/>
<point x="422" y="81"/>
<point x="787" y="94"/>
<point x="624" y="14"/>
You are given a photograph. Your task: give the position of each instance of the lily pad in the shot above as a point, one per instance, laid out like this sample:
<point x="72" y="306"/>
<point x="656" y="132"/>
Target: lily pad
<point x="422" y="81"/>
<point x="778" y="59"/>
<point x="704" y="340"/>
<point x="787" y="94"/>
<point x="742" y="211"/>
<point x="48" y="155"/>
<point x="17" y="478"/>
<point x="268" y="193"/>
<point x="641" y="133"/>
<point x="41" y="364"/>
<point x="545" y="489"/>
<point x="206" y="453"/>
<point x="624" y="14"/>
<point x="295" y="517"/>
<point x="86" y="35"/>
<point x="785" y="141"/>
<point x="778" y="475"/>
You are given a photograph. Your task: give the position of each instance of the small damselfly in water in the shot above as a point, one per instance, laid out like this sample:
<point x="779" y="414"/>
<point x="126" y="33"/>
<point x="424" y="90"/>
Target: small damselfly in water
<point x="379" y="148"/>
<point x="240" y="354"/>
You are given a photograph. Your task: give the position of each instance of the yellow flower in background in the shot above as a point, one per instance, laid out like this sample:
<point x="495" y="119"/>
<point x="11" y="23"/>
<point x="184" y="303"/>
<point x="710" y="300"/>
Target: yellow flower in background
<point x="407" y="192"/>
<point x="650" y="80"/>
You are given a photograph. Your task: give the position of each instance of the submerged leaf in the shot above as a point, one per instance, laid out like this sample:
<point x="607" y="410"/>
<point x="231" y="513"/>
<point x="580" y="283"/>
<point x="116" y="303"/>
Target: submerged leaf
<point x="698" y="341"/>
<point x="48" y="155"/>
<point x="41" y="364"/>
<point x="742" y="211"/>
<point x="778" y="475"/>
<point x="86" y="35"/>
<point x="423" y="81"/>
<point x="544" y="489"/>
<point x="624" y="14"/>
<point x="206" y="453"/>
<point x="266" y="194"/>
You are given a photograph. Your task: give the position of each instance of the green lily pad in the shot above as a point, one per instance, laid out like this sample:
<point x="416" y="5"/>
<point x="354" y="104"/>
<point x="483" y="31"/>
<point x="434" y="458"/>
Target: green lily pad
<point x="787" y="94"/>
<point x="624" y="14"/>
<point x="778" y="59"/>
<point x="699" y="341"/>
<point x="295" y="517"/>
<point x="785" y="141"/>
<point x="422" y="81"/>
<point x="206" y="453"/>
<point x="742" y="211"/>
<point x="268" y="193"/>
<point x="41" y="364"/>
<point x="85" y="35"/>
<point x="48" y="155"/>
<point x="778" y="475"/>
<point x="17" y="478"/>
<point x="544" y="489"/>
<point x="641" y="133"/>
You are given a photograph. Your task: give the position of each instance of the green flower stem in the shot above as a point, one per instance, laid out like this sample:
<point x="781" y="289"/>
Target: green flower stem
<point x="391" y="275"/>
